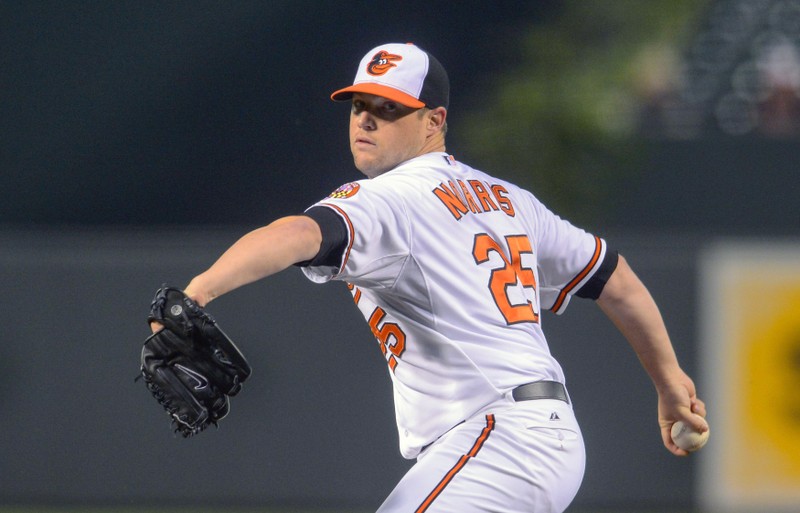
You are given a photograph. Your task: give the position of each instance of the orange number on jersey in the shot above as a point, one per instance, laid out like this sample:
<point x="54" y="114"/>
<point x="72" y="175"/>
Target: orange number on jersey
<point x="511" y="273"/>
<point x="385" y="334"/>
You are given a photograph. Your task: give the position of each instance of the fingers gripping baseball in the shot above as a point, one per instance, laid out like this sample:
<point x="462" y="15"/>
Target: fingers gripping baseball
<point x="678" y="402"/>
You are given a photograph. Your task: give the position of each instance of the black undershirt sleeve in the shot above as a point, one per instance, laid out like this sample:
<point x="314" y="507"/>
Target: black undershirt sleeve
<point x="334" y="238"/>
<point x="592" y="288"/>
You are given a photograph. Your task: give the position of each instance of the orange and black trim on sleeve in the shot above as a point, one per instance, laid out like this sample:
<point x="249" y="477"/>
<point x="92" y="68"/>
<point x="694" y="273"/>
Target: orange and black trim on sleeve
<point x="593" y="262"/>
<point x="337" y="236"/>
<point x="462" y="461"/>
<point x="351" y="234"/>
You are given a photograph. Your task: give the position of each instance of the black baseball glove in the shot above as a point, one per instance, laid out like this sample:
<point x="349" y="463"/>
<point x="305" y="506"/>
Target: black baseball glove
<point x="190" y="366"/>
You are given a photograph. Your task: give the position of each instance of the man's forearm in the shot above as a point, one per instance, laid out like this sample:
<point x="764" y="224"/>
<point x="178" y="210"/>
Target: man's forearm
<point x="258" y="254"/>
<point x="629" y="305"/>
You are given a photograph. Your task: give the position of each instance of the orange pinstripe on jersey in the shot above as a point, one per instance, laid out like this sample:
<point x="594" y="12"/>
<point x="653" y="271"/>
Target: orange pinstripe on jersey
<point x="571" y="285"/>
<point x="476" y="447"/>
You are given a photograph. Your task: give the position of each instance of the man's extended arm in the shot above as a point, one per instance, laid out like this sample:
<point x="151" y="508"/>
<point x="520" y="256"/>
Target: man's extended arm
<point x="258" y="254"/>
<point x="629" y="305"/>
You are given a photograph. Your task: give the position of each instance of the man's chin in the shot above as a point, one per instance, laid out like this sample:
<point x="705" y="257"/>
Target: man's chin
<point x="370" y="169"/>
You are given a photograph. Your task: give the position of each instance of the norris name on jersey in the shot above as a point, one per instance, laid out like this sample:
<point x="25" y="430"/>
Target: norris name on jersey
<point x="473" y="196"/>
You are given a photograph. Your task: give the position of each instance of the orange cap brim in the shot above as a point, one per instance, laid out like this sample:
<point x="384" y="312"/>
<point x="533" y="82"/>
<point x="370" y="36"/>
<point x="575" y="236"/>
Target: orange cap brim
<point x="378" y="90"/>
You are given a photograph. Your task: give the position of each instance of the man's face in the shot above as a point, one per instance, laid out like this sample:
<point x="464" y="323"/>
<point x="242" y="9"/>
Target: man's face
<point x="384" y="133"/>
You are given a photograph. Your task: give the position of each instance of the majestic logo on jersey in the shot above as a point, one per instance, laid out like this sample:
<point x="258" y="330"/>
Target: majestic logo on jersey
<point x="347" y="190"/>
<point x="382" y="62"/>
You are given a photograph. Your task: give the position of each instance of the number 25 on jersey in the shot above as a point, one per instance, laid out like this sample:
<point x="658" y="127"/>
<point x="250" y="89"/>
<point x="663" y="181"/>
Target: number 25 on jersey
<point x="510" y="273"/>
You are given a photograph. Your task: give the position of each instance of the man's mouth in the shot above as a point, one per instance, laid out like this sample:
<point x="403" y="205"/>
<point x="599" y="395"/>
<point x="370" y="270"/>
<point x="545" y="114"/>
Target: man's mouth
<point x="362" y="141"/>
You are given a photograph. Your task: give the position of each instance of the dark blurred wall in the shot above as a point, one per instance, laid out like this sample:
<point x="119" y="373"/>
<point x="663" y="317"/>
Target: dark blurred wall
<point x="714" y="187"/>
<point x="142" y="112"/>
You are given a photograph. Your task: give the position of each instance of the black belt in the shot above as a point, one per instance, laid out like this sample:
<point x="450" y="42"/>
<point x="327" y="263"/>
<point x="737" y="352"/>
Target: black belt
<point x="541" y="390"/>
<point x="535" y="390"/>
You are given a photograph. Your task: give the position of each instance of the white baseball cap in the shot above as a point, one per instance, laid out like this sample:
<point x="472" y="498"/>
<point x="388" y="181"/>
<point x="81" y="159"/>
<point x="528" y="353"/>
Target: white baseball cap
<point x="401" y="72"/>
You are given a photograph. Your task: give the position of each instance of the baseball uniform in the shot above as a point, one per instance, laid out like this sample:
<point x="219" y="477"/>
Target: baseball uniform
<point x="452" y="269"/>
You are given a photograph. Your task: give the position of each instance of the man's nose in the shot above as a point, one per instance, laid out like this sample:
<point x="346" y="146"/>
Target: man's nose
<point x="365" y="120"/>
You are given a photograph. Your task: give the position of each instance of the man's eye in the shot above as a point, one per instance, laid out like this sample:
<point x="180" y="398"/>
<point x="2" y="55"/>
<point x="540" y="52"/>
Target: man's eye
<point x="390" y="107"/>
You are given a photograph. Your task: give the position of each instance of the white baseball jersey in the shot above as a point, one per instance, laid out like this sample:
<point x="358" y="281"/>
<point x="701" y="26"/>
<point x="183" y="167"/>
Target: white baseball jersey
<point x="452" y="269"/>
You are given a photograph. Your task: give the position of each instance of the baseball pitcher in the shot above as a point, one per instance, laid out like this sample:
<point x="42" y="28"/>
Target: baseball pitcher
<point x="452" y="268"/>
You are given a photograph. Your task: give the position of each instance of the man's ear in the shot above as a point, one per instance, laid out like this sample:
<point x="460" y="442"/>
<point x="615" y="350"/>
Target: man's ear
<point x="436" y="118"/>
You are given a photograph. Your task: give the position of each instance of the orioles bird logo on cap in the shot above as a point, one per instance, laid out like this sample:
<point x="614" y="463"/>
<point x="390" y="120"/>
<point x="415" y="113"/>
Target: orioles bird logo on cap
<point x="382" y="62"/>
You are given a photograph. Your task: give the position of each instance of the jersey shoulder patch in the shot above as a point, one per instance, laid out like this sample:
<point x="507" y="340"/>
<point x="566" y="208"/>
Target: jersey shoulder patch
<point x="347" y="190"/>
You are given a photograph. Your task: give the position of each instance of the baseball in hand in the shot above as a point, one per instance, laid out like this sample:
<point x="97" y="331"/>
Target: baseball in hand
<point x="687" y="438"/>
